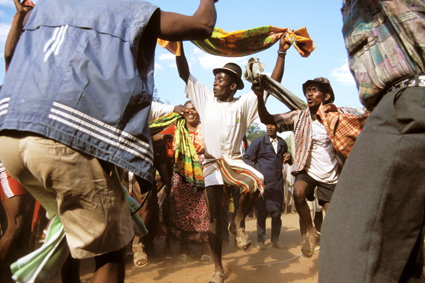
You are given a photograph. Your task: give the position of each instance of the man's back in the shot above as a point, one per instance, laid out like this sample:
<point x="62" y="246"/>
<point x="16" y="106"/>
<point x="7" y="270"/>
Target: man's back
<point x="63" y="88"/>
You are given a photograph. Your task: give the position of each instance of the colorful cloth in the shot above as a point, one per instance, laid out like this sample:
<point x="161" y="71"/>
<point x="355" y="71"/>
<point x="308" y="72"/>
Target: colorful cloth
<point x="235" y="172"/>
<point x="246" y="42"/>
<point x="186" y="162"/>
<point x="342" y="129"/>
<point x="188" y="211"/>
<point x="385" y="41"/>
<point x="299" y="121"/>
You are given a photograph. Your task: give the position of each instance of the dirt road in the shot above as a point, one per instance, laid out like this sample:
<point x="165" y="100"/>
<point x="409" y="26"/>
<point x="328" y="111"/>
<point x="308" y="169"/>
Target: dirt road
<point x="271" y="265"/>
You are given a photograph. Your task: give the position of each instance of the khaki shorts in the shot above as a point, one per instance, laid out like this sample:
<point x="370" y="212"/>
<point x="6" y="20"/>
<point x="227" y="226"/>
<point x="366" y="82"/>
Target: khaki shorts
<point x="90" y="202"/>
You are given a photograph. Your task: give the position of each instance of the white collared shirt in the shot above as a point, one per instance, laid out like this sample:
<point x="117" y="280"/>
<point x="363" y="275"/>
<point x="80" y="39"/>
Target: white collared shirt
<point x="274" y="143"/>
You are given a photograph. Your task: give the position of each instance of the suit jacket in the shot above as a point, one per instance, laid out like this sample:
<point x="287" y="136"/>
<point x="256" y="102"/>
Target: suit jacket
<point x="261" y="156"/>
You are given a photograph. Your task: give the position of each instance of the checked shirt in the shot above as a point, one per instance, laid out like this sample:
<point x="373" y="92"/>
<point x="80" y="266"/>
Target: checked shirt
<point x="342" y="125"/>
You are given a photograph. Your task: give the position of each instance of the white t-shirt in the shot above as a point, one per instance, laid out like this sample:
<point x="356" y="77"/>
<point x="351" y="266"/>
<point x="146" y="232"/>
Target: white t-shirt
<point x="322" y="164"/>
<point x="223" y="123"/>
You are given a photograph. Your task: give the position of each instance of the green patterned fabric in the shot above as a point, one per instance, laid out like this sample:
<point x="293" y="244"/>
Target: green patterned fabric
<point x="186" y="162"/>
<point x="385" y="41"/>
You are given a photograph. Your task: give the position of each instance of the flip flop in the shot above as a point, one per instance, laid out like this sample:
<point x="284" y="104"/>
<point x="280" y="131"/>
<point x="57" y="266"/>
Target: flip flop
<point x="309" y="244"/>
<point x="217" y="277"/>
<point x="140" y="258"/>
<point x="206" y="259"/>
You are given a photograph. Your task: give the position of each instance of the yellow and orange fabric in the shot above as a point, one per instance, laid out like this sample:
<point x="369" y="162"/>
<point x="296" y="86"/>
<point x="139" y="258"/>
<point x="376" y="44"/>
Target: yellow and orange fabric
<point x="247" y="42"/>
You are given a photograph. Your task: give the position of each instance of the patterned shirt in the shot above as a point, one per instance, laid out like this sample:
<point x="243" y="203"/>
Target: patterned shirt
<point x="342" y="125"/>
<point x="385" y="41"/>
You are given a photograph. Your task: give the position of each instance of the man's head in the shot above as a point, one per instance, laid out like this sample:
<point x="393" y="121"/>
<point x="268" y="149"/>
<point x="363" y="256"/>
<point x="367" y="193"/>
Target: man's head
<point x="271" y="130"/>
<point x="227" y="81"/>
<point x="318" y="91"/>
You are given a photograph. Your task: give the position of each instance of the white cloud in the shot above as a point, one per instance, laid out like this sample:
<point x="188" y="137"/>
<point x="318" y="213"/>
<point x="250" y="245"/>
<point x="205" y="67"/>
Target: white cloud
<point x="173" y="65"/>
<point x="209" y="62"/>
<point x="7" y="3"/>
<point x="158" y="66"/>
<point x="343" y="75"/>
<point x="2" y="14"/>
<point x="4" y="31"/>
<point x="167" y="57"/>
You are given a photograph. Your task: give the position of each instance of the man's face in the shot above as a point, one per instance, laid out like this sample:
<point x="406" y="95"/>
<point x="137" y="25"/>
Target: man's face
<point x="223" y="87"/>
<point x="315" y="97"/>
<point x="271" y="130"/>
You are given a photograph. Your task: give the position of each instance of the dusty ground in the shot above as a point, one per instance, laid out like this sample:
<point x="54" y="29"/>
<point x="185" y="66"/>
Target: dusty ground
<point x="271" y="265"/>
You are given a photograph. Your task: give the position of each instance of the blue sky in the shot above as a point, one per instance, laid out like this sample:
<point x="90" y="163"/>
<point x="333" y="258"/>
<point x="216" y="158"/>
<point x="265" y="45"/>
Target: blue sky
<point x="321" y="18"/>
<point x="323" y="22"/>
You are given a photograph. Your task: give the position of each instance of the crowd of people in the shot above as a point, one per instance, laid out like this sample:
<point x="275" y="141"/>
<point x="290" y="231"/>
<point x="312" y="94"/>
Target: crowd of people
<point x="76" y="114"/>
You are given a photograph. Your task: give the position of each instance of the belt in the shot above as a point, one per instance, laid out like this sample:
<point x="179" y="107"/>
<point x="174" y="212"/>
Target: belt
<point x="409" y="82"/>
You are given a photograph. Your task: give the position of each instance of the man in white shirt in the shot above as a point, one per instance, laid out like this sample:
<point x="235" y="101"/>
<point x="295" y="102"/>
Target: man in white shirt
<point x="225" y="120"/>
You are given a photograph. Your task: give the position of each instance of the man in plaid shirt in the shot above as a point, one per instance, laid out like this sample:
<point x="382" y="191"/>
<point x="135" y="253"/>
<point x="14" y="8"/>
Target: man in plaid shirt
<point x="324" y="136"/>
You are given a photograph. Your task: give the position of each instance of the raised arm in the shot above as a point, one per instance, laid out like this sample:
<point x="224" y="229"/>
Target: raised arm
<point x="280" y="62"/>
<point x="18" y="24"/>
<point x="177" y="27"/>
<point x="265" y="116"/>
<point x="183" y="66"/>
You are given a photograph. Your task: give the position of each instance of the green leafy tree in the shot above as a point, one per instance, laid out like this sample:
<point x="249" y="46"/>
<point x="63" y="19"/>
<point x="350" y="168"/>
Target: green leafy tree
<point x="254" y="132"/>
<point x="155" y="96"/>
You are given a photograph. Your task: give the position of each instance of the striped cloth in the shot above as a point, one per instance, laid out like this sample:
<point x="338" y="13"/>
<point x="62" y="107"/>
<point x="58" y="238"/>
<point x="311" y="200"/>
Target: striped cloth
<point x="246" y="42"/>
<point x="252" y="73"/>
<point x="235" y="172"/>
<point x="342" y="127"/>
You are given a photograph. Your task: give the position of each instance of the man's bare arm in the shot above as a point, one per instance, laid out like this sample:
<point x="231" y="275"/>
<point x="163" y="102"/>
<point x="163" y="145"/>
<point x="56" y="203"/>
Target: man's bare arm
<point x="183" y="66"/>
<point x="265" y="117"/>
<point x="19" y="21"/>
<point x="280" y="62"/>
<point x="177" y="27"/>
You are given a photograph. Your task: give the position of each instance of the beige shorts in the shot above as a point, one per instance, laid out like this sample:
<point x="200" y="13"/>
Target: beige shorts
<point x="90" y="202"/>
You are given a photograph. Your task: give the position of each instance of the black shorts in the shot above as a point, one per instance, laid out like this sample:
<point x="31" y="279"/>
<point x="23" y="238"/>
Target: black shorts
<point x="324" y="191"/>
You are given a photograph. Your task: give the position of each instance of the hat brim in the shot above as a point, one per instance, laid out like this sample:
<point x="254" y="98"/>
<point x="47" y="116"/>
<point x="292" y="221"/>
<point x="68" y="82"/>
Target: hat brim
<point x="232" y="73"/>
<point x="326" y="86"/>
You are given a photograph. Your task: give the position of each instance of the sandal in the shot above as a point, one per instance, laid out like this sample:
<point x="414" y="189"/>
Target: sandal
<point x="182" y="258"/>
<point x="206" y="259"/>
<point x="309" y="244"/>
<point x="140" y="258"/>
<point x="217" y="277"/>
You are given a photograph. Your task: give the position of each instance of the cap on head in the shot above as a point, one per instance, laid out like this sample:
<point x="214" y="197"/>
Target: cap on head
<point x="323" y="83"/>
<point x="233" y="70"/>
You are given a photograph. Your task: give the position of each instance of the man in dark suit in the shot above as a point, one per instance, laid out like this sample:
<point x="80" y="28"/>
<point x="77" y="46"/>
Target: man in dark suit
<point x="267" y="154"/>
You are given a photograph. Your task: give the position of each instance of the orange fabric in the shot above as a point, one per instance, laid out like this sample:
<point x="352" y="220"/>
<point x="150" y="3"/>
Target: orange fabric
<point x="13" y="187"/>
